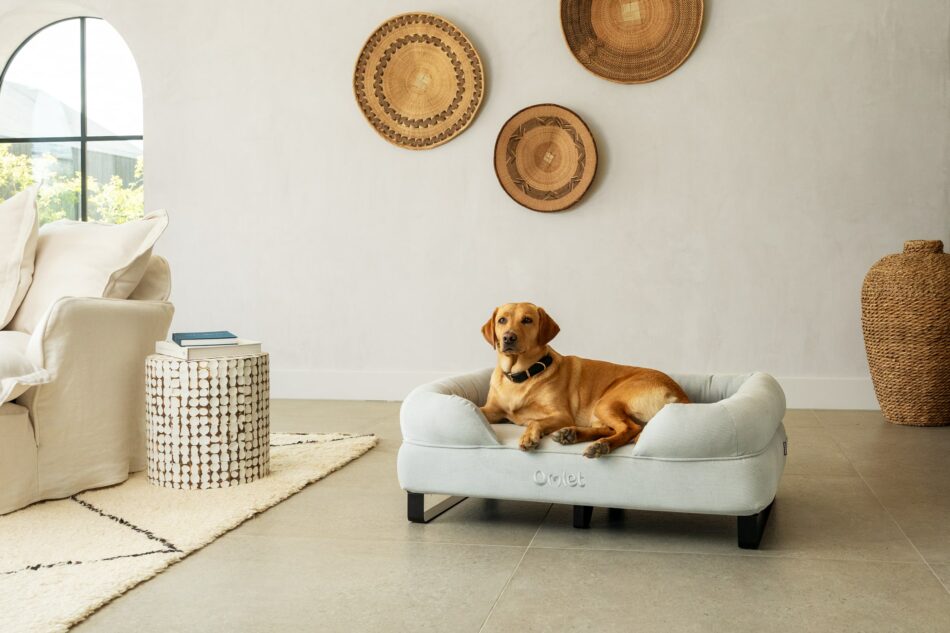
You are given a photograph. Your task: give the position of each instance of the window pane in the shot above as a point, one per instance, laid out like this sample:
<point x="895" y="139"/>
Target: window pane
<point x="54" y="165"/>
<point x="114" y="173"/>
<point x="40" y="92"/>
<point x="113" y="87"/>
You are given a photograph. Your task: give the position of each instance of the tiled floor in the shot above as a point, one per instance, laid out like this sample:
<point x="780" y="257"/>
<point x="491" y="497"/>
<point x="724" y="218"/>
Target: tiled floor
<point x="859" y="540"/>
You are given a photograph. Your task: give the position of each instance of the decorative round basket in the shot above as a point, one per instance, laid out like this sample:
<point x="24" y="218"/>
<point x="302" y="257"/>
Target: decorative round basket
<point x="545" y="157"/>
<point x="905" y="314"/>
<point x="631" y="41"/>
<point x="418" y="80"/>
<point x="207" y="421"/>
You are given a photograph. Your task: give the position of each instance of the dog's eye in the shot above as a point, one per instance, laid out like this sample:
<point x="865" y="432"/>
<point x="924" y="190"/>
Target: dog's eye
<point x="503" y="320"/>
<point x="527" y="320"/>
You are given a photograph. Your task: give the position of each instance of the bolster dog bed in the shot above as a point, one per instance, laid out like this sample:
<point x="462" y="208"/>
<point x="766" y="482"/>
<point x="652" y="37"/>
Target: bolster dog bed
<point x="723" y="454"/>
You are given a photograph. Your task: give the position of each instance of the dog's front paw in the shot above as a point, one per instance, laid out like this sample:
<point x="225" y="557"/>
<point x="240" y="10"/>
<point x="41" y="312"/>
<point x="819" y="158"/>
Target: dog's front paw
<point x="528" y="442"/>
<point x="597" y="449"/>
<point x="565" y="436"/>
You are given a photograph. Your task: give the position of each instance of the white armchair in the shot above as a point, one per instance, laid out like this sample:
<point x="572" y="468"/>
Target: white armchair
<point x="86" y="427"/>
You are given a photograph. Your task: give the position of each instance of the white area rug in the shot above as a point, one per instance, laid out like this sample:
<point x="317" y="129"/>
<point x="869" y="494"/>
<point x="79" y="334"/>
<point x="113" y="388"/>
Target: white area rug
<point x="62" y="560"/>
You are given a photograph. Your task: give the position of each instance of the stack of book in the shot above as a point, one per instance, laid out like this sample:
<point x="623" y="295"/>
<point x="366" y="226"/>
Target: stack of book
<point x="204" y="345"/>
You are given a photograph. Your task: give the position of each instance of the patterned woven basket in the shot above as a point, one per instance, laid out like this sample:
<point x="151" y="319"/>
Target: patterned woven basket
<point x="905" y="314"/>
<point x="419" y="80"/>
<point x="631" y="41"/>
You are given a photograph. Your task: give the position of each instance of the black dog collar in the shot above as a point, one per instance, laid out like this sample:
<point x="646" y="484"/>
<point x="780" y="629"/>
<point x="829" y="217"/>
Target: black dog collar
<point x="543" y="363"/>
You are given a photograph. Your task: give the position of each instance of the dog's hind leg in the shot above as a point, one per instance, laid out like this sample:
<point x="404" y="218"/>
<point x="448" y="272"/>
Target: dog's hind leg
<point x="624" y="429"/>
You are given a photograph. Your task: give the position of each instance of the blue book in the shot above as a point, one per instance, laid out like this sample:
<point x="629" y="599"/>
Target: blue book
<point x="196" y="339"/>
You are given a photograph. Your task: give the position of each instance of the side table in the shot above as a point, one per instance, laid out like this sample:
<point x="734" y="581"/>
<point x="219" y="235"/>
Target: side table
<point x="207" y="421"/>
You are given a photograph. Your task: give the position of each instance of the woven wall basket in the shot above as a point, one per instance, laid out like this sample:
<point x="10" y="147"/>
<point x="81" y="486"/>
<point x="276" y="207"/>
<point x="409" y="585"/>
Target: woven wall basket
<point x="418" y="80"/>
<point x="545" y="157"/>
<point x="905" y="313"/>
<point x="631" y="41"/>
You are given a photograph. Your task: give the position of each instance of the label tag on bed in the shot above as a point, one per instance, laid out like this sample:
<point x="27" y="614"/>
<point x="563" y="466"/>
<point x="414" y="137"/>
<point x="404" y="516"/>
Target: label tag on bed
<point x="785" y="447"/>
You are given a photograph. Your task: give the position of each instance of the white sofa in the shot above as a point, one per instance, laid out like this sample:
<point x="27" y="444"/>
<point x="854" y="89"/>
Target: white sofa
<point x="84" y="428"/>
<point x="724" y="454"/>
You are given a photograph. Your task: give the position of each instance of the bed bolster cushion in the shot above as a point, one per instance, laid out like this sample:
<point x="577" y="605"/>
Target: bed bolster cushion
<point x="445" y="413"/>
<point x="741" y="424"/>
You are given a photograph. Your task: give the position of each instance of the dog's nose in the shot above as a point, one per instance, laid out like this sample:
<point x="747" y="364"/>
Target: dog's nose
<point x="509" y="337"/>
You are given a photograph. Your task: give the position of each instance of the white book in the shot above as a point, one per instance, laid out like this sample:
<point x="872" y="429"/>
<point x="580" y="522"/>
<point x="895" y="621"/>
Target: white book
<point x="242" y="347"/>
<point x="208" y="342"/>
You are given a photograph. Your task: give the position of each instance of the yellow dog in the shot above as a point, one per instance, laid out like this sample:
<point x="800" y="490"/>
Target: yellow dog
<point x="574" y="399"/>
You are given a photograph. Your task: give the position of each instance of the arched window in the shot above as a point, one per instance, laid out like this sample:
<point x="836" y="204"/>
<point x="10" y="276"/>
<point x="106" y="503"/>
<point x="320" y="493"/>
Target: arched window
<point x="71" y="121"/>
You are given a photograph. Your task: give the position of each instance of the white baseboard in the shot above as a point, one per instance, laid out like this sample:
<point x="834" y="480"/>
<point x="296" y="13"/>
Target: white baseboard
<point x="330" y="384"/>
<point x="829" y="393"/>
<point x="801" y="393"/>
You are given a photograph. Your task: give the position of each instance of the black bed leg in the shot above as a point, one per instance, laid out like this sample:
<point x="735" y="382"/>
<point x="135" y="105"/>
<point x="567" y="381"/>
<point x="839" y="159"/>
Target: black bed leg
<point x="582" y="516"/>
<point x="416" y="507"/>
<point x="750" y="528"/>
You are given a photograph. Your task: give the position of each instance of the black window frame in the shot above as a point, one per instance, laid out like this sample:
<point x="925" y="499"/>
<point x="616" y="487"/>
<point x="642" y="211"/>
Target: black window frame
<point x="83" y="139"/>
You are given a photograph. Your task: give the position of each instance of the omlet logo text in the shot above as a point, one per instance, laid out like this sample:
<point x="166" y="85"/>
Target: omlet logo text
<point x="561" y="480"/>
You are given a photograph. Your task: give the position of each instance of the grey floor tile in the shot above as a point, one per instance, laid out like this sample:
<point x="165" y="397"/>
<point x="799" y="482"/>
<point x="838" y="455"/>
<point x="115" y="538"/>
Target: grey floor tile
<point x="637" y="530"/>
<point x="833" y="518"/>
<point x="881" y="449"/>
<point x="327" y="416"/>
<point x="813" y="451"/>
<point x="804" y="418"/>
<point x="922" y="509"/>
<point x="292" y="584"/>
<point x="574" y="590"/>
<point x="943" y="573"/>
<point x="848" y="417"/>
<point x="388" y="429"/>
<point x="313" y="416"/>
<point x="813" y="517"/>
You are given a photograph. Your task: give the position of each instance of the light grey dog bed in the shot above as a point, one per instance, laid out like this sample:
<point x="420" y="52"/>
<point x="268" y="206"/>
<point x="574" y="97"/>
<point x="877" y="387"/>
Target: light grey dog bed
<point x="723" y="454"/>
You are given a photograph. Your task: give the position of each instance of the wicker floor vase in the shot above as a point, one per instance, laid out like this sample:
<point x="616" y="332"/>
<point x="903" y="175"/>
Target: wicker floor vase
<point x="905" y="314"/>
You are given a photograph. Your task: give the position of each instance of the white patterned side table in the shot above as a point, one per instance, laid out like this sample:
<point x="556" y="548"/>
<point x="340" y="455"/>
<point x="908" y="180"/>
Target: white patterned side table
<point x="208" y="421"/>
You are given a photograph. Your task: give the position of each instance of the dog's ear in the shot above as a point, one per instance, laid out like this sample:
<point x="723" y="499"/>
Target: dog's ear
<point x="488" y="330"/>
<point x="547" y="328"/>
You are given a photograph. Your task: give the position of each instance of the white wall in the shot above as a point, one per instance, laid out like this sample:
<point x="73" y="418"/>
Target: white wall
<point x="738" y="203"/>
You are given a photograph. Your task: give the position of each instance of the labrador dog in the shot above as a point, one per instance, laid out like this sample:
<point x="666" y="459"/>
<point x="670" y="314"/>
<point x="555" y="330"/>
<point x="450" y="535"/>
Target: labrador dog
<point x="572" y="399"/>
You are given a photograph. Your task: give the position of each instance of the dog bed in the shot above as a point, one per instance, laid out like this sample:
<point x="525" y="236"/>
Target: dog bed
<point x="723" y="454"/>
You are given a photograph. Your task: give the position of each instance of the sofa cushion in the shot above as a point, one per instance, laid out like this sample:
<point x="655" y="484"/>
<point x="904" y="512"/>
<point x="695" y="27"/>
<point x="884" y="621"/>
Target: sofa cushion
<point x="17" y="374"/>
<point x="88" y="259"/>
<point x="156" y="284"/>
<point x="18" y="234"/>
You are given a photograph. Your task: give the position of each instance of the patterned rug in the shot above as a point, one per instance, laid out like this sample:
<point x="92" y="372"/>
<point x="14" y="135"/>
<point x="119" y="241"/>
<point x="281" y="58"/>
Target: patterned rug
<point x="62" y="560"/>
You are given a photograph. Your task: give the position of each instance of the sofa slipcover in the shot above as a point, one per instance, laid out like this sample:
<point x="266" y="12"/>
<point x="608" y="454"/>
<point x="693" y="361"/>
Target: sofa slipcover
<point x="722" y="454"/>
<point x="85" y="426"/>
<point x="17" y="373"/>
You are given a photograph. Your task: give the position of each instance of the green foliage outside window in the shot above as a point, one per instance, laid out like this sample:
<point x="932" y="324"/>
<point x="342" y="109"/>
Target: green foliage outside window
<point x="112" y="201"/>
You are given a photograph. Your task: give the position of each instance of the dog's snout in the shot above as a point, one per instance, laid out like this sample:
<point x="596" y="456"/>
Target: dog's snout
<point x="509" y="337"/>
